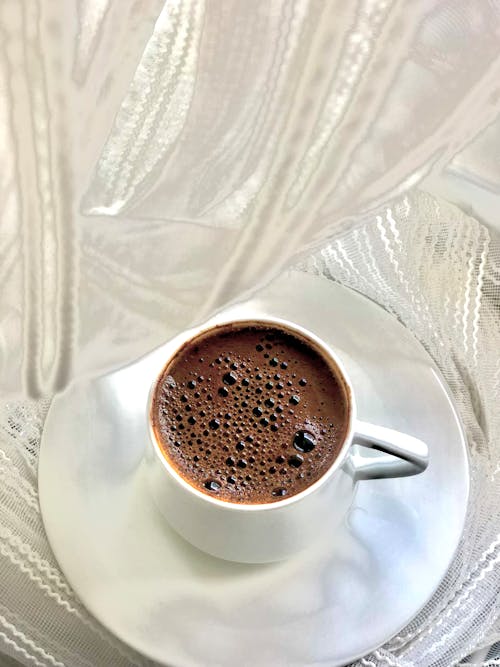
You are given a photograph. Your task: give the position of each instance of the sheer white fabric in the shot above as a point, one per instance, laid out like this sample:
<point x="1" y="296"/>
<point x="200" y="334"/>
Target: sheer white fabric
<point x="161" y="160"/>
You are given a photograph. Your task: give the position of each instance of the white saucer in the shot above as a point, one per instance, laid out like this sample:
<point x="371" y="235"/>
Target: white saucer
<point x="348" y="594"/>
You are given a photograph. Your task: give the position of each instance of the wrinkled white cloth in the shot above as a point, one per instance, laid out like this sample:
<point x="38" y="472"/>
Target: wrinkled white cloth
<point x="161" y="160"/>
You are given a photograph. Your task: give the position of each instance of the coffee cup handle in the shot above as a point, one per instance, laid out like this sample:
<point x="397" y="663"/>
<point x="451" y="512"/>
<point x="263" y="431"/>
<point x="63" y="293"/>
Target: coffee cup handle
<point x="401" y="455"/>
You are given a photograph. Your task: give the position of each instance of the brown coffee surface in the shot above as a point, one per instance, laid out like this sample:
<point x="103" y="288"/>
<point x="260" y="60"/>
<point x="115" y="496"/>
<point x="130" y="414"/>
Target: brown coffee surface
<point x="249" y="414"/>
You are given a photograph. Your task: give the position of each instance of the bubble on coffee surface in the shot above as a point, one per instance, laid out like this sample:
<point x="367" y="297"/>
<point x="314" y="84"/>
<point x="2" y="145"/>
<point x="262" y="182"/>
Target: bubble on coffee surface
<point x="245" y="427"/>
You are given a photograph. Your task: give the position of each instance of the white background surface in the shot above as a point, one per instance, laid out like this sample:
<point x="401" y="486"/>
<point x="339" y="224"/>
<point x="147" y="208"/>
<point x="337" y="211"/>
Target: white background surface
<point x="160" y="159"/>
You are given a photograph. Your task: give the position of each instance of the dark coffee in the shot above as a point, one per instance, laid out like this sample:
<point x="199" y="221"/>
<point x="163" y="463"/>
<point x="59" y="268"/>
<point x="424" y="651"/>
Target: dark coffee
<point x="250" y="413"/>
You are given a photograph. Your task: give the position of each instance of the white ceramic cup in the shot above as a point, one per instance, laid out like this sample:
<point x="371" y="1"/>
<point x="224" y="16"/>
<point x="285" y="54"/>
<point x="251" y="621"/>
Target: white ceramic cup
<point x="274" y="531"/>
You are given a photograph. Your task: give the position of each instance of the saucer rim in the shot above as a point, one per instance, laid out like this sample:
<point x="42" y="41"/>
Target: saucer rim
<point x="141" y="647"/>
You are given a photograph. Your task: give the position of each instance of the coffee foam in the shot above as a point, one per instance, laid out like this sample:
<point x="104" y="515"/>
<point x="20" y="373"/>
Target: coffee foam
<point x="249" y="414"/>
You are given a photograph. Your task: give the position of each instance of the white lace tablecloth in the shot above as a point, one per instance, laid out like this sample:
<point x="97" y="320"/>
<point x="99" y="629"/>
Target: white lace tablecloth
<point x="161" y="159"/>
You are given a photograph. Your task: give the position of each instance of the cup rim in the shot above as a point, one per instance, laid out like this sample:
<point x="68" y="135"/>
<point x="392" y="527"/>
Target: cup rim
<point x="324" y="349"/>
